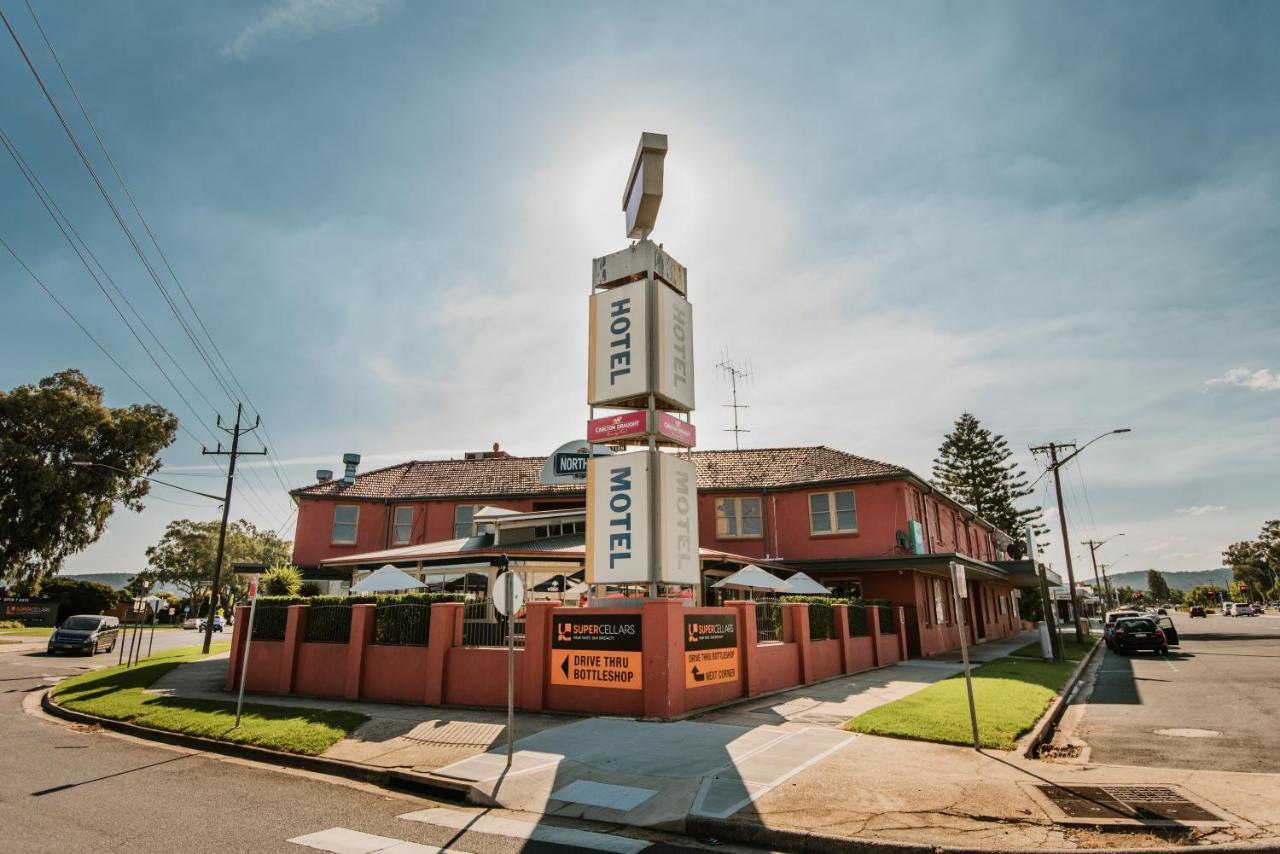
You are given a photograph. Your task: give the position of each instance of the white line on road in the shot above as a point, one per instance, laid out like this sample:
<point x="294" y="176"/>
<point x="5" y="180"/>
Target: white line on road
<point x="341" y="840"/>
<point x="527" y="831"/>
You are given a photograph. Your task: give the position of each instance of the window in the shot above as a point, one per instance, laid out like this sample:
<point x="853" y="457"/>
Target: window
<point x="402" y="526"/>
<point x="937" y="523"/>
<point x="738" y="518"/>
<point x="344" y="523"/>
<point x="561" y="529"/>
<point x="927" y="584"/>
<point x="832" y="513"/>
<point x="939" y="610"/>
<point x="464" y="521"/>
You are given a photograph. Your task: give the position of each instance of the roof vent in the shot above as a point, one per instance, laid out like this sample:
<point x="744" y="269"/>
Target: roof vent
<point x="496" y="453"/>
<point x="324" y="475"/>
<point x="350" y="461"/>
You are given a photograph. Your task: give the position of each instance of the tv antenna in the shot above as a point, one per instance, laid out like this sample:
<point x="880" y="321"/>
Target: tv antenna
<point x="735" y="375"/>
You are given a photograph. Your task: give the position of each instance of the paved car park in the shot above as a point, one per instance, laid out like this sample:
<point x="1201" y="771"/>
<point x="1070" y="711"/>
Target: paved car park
<point x="1211" y="703"/>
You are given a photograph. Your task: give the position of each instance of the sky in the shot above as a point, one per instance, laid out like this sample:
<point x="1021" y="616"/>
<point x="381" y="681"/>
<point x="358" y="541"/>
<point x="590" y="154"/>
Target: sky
<point x="1061" y="217"/>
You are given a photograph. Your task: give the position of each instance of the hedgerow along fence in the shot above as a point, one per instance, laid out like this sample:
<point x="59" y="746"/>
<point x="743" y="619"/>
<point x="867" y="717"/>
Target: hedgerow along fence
<point x="399" y="619"/>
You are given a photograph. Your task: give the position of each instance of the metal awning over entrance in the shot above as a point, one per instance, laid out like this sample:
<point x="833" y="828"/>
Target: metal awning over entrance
<point x="935" y="564"/>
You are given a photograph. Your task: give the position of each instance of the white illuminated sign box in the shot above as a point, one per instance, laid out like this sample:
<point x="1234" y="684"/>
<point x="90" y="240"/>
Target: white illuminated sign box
<point x="679" y="520"/>
<point x="618" y="534"/>
<point x="675" y="349"/>
<point x="622" y="335"/>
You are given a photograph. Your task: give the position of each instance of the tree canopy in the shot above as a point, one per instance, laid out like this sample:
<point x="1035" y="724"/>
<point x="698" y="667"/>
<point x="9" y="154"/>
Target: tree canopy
<point x="185" y="554"/>
<point x="1256" y="563"/>
<point x="1157" y="586"/>
<point x="974" y="467"/>
<point x="49" y="508"/>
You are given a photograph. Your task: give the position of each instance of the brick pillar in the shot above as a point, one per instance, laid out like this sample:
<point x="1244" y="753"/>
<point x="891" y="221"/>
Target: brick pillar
<point x="662" y="633"/>
<point x="746" y="647"/>
<point x="900" y="615"/>
<point x="840" y="619"/>
<point x="532" y="678"/>
<point x="873" y="626"/>
<point x="358" y="647"/>
<point x="799" y="634"/>
<point x="238" y="636"/>
<point x="445" y="632"/>
<point x="295" y="630"/>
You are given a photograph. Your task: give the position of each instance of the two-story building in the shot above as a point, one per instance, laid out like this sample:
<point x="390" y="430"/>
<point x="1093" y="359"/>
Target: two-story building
<point x="860" y="526"/>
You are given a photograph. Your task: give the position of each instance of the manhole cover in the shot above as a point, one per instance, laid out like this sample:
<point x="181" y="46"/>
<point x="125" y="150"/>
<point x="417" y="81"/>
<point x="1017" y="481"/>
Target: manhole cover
<point x="1150" y="806"/>
<point x="1189" y="733"/>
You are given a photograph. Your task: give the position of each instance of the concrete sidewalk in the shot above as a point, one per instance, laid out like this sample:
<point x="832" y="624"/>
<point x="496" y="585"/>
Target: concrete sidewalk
<point x="768" y="772"/>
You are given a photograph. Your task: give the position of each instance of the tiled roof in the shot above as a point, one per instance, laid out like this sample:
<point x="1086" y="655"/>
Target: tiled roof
<point x="754" y="468"/>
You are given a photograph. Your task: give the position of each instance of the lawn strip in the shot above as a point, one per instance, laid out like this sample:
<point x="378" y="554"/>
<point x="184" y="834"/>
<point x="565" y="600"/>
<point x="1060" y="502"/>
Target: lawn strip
<point x="118" y="693"/>
<point x="1010" y="695"/>
<point x="1071" y="649"/>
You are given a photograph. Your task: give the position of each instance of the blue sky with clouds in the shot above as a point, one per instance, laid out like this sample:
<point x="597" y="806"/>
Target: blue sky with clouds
<point x="1062" y="217"/>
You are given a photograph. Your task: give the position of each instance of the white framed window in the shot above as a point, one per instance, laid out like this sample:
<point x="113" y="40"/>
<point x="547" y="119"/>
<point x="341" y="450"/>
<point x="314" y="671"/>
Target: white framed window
<point x="1000" y="603"/>
<point x="939" y="609"/>
<point x="402" y="526"/>
<point x="345" y="517"/>
<point x="464" y="524"/>
<point x="738" y="518"/>
<point x="833" y="512"/>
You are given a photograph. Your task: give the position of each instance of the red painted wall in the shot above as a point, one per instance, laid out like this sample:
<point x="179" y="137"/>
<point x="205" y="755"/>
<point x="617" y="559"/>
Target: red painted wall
<point x="778" y="665"/>
<point x="394" y="674"/>
<point x="321" y="669"/>
<point x="826" y="658"/>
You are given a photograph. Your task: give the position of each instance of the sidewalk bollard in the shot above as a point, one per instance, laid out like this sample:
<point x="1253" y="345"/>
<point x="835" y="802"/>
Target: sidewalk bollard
<point x="1046" y="645"/>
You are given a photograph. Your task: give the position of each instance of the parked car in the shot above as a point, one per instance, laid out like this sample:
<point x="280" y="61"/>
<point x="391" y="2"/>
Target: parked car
<point x="1109" y="627"/>
<point x="1240" y="609"/>
<point x="1139" y="633"/>
<point x="1226" y="608"/>
<point x="1257" y="608"/>
<point x="85" y="633"/>
<point x="218" y="624"/>
<point x="1196" y="611"/>
<point x="191" y="623"/>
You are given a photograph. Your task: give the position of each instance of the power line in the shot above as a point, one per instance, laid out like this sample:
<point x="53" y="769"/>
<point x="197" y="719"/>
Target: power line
<point x="154" y="242"/>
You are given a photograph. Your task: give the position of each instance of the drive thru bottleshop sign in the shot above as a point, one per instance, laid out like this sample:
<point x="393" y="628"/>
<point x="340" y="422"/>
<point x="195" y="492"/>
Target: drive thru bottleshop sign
<point x="620" y="538"/>
<point x="597" y="651"/>
<point x="710" y="649"/>
<point x="635" y="425"/>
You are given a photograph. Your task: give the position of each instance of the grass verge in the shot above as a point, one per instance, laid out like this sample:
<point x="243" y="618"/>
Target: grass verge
<point x="117" y="693"/>
<point x="1010" y="695"/>
<point x="1071" y="650"/>
<point x="26" y="633"/>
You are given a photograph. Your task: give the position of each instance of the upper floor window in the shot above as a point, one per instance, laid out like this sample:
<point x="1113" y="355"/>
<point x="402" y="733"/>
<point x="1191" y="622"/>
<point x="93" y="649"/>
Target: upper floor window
<point x="345" y="517"/>
<point x="833" y="512"/>
<point x="464" y="521"/>
<point x="560" y="529"/>
<point x="402" y="526"/>
<point x="738" y="517"/>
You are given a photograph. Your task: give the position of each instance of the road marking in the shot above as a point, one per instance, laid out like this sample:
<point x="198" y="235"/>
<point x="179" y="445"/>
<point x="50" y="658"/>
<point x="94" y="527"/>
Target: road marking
<point x="341" y="840"/>
<point x="526" y="831"/>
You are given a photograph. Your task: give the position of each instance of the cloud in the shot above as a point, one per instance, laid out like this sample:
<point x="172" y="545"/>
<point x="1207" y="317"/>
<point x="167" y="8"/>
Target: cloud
<point x="301" y="19"/>
<point x="1164" y="545"/>
<point x="1259" y="380"/>
<point x="1201" y="509"/>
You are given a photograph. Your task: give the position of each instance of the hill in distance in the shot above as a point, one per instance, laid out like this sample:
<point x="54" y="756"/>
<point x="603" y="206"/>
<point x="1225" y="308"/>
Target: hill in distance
<point x="114" y="580"/>
<point x="1183" y="581"/>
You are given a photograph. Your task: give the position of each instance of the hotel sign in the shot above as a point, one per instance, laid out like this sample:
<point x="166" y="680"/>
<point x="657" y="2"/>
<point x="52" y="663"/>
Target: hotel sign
<point x="626" y="336"/>
<point x="597" y="651"/>
<point x="678" y="520"/>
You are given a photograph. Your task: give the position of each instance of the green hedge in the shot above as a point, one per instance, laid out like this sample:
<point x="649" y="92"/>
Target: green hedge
<point x="329" y="617"/>
<point x="886" y="620"/>
<point x="858" y="624"/>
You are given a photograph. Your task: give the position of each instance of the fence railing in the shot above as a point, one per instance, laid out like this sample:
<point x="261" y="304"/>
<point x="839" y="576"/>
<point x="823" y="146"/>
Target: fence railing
<point x="887" y="626"/>
<point x="768" y="621"/>
<point x="269" y="622"/>
<point x="328" y="624"/>
<point x="858" y="624"/>
<point x="483" y="626"/>
<point x="401" y="624"/>
<point x="821" y="621"/>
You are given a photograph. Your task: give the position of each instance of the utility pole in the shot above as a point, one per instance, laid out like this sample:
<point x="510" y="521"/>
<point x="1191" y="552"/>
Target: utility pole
<point x="235" y="452"/>
<point x="1094" y="545"/>
<point x="1055" y="465"/>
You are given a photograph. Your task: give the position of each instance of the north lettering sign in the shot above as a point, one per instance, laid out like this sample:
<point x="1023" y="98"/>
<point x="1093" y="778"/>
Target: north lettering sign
<point x="597" y="651"/>
<point x="710" y="649"/>
<point x="568" y="463"/>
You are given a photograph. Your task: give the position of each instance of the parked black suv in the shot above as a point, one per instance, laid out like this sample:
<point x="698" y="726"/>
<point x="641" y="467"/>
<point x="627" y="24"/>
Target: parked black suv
<point x="85" y="633"/>
<point x="1139" y="633"/>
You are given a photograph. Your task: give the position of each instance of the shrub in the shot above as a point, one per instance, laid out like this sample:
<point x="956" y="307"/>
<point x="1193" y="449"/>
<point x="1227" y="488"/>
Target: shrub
<point x="329" y="617"/>
<point x="78" y="597"/>
<point x="282" y="581"/>
<point x="11" y="624"/>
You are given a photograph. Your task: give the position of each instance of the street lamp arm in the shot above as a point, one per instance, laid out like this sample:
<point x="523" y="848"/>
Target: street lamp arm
<point x="1069" y="457"/>
<point x="86" y="464"/>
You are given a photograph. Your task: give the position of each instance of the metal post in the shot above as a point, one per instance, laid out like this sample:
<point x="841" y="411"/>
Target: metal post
<point x="509" y="594"/>
<point x="964" y="655"/>
<point x="151" y="639"/>
<point x="1066" y="540"/>
<point x="1046" y="603"/>
<point x="244" y="661"/>
<point x="122" y="638"/>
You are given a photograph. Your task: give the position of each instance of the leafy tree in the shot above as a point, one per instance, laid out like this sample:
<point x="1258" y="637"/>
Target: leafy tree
<point x="185" y="554"/>
<point x="1157" y="586"/>
<point x="974" y="467"/>
<point x="281" y="580"/>
<point x="1126" y="595"/>
<point x="1205" y="594"/>
<point x="1256" y="563"/>
<point x="49" y="508"/>
<point x="1030" y="605"/>
<point x="79" y="597"/>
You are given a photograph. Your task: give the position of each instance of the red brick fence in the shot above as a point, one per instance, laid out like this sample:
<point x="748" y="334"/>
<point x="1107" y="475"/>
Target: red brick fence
<point x="443" y="671"/>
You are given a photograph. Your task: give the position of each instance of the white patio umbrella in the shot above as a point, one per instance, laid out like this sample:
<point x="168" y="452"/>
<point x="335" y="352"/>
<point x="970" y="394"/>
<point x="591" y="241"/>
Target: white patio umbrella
<point x="806" y="586"/>
<point x="752" y="577"/>
<point x="388" y="579"/>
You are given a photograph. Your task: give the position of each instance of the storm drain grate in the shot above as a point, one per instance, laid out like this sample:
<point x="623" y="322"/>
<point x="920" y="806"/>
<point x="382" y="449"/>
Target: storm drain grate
<point x="1151" y="806"/>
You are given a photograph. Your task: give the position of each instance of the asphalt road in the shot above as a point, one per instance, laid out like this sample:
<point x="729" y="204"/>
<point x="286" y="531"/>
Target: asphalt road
<point x="64" y="789"/>
<point x="1211" y="704"/>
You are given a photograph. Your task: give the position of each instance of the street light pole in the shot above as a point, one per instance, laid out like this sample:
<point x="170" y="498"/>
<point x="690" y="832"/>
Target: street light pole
<point x="1055" y="465"/>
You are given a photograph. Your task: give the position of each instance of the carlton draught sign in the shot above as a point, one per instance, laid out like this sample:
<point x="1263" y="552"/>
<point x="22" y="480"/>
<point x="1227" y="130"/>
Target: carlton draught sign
<point x="623" y="335"/>
<point x="620" y="536"/>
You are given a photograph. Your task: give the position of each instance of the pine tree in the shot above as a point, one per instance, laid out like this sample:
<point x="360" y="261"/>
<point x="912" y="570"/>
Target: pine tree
<point x="974" y="467"/>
